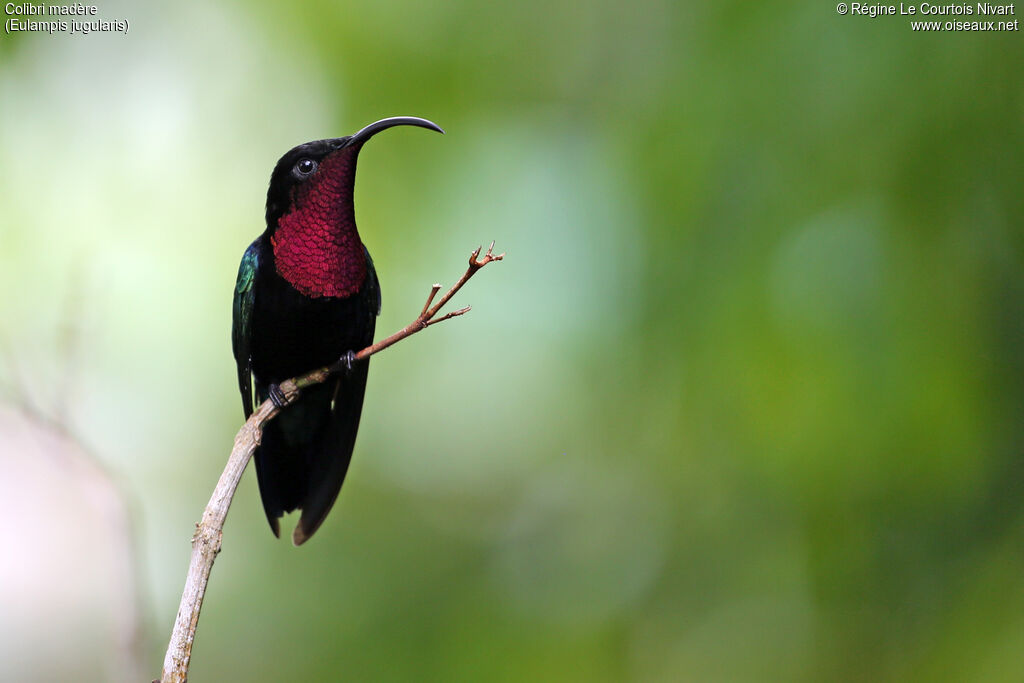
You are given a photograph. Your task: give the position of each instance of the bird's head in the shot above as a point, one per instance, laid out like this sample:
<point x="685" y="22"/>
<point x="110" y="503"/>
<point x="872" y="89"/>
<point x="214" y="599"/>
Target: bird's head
<point x="319" y="176"/>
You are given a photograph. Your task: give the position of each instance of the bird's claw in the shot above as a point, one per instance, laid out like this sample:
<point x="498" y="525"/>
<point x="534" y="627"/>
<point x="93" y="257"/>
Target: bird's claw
<point x="277" y="396"/>
<point x="348" y="360"/>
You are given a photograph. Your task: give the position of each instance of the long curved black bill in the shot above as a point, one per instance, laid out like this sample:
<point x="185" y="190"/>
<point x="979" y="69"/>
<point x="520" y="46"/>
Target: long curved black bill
<point x="377" y="126"/>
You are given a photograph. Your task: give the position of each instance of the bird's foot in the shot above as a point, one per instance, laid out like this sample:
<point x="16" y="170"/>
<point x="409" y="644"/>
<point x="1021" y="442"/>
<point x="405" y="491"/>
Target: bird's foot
<point x="348" y="360"/>
<point x="277" y="396"/>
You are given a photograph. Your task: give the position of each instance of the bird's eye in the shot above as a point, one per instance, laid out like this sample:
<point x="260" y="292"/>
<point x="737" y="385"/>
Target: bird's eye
<point x="305" y="167"/>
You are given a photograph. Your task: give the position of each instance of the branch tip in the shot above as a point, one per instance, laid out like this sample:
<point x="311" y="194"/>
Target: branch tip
<point x="448" y="316"/>
<point x="430" y="298"/>
<point x="476" y="263"/>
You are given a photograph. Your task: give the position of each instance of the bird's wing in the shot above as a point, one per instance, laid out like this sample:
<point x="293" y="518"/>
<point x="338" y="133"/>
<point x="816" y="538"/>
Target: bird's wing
<point x="241" y="323"/>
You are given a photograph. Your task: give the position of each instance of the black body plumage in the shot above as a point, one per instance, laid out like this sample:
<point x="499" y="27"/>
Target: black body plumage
<point x="307" y="294"/>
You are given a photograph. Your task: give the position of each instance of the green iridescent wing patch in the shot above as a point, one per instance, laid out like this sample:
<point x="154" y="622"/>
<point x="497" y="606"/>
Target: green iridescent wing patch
<point x="241" y="323"/>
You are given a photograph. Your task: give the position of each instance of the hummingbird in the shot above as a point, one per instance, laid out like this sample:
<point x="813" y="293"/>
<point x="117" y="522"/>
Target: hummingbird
<point x="307" y="295"/>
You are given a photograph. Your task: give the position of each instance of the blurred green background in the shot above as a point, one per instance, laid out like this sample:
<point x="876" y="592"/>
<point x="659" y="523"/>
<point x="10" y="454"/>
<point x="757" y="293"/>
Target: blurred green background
<point x="745" y="402"/>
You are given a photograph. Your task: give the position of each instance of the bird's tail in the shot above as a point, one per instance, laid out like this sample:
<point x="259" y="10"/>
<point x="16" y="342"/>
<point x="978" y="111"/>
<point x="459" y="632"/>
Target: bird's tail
<point x="281" y="472"/>
<point x="304" y="455"/>
<point x="333" y="452"/>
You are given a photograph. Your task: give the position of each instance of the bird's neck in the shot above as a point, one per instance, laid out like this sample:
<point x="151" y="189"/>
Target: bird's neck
<point x="316" y="245"/>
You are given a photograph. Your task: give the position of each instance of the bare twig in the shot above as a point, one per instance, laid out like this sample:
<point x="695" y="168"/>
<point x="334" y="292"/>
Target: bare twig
<point x="447" y="316"/>
<point x="206" y="542"/>
<point x="433" y="292"/>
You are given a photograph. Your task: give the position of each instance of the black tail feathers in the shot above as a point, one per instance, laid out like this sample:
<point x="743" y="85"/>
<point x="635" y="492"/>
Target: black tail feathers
<point x="305" y="452"/>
